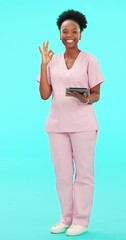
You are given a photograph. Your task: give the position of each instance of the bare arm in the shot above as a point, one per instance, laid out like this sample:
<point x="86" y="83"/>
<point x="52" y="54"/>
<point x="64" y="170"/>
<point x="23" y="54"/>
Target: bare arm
<point x="94" y="94"/>
<point x="44" y="87"/>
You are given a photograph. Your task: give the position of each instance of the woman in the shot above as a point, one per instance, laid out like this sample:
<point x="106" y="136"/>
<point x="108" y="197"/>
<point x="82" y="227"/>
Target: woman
<point x="71" y="126"/>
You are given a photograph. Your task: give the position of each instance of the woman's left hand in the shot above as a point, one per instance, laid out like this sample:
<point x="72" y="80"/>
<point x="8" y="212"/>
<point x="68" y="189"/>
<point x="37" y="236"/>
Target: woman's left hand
<point x="81" y="97"/>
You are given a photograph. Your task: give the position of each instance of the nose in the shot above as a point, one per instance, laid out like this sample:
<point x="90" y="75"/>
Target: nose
<point x="69" y="34"/>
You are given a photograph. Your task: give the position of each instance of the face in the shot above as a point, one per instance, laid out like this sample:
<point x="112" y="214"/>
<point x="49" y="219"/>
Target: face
<point x="70" y="33"/>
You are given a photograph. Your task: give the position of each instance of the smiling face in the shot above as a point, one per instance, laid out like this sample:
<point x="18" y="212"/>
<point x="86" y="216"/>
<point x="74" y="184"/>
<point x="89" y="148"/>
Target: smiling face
<point x="70" y="33"/>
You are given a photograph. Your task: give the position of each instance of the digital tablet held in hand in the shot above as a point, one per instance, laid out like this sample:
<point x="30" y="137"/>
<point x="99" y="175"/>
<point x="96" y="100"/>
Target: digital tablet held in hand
<point x="79" y="90"/>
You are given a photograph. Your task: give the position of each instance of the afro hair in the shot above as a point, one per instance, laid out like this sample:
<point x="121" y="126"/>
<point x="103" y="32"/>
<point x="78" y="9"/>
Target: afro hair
<point x="72" y="15"/>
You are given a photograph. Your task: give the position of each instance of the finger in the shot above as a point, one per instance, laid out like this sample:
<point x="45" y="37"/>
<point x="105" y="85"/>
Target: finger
<point x="47" y="44"/>
<point x="51" y="56"/>
<point x="71" y="93"/>
<point x="68" y="93"/>
<point x="51" y="52"/>
<point x="85" y="95"/>
<point x="77" y="93"/>
<point x="75" y="96"/>
<point x="74" y="92"/>
<point x="40" y="49"/>
<point x="43" y="45"/>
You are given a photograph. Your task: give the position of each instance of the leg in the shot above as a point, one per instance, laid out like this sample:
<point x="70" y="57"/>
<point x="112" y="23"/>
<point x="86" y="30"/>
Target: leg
<point x="83" y="144"/>
<point x="61" y="152"/>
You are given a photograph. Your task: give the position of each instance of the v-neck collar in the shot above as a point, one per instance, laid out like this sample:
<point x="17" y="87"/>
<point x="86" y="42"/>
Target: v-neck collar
<point x="74" y="64"/>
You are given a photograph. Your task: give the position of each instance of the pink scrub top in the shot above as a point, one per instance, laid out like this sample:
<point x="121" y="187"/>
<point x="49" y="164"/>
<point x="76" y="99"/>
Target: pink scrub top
<point x="68" y="114"/>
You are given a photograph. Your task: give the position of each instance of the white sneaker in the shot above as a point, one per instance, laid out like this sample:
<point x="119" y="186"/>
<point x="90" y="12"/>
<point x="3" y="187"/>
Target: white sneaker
<point x="76" y="229"/>
<point x="59" y="228"/>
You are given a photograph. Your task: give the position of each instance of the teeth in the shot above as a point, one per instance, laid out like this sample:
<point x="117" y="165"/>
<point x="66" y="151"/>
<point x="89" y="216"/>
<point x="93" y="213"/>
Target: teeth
<point x="69" y="41"/>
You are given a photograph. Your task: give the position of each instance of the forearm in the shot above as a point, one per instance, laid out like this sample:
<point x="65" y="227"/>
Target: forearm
<point x="45" y="88"/>
<point x="93" y="97"/>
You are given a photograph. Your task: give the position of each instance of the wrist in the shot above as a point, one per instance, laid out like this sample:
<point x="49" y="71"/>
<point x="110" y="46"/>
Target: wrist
<point x="43" y="64"/>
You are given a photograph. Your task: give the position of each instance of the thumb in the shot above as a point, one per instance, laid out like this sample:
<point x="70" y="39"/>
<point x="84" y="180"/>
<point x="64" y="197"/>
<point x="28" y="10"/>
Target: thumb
<point x="85" y="94"/>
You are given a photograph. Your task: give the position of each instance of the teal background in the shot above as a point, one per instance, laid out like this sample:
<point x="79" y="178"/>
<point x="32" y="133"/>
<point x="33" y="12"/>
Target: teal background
<point x="28" y="199"/>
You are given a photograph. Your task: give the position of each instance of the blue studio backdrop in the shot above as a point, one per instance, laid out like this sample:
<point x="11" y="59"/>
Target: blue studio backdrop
<point x="28" y="199"/>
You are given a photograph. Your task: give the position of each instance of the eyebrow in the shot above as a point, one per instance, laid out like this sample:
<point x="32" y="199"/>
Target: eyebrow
<point x="67" y="28"/>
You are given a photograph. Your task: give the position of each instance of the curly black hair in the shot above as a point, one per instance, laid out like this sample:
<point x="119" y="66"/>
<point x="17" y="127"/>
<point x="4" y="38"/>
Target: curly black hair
<point x="72" y="15"/>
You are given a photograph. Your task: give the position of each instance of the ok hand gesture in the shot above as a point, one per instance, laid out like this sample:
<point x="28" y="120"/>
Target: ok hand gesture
<point x="46" y="54"/>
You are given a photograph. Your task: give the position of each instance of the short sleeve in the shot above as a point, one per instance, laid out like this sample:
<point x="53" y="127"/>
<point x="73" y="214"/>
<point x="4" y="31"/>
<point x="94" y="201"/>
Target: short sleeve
<point x="95" y="76"/>
<point x="48" y="75"/>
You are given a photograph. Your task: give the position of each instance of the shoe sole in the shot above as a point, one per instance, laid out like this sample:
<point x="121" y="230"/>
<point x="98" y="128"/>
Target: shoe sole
<point x="55" y="232"/>
<point x="77" y="234"/>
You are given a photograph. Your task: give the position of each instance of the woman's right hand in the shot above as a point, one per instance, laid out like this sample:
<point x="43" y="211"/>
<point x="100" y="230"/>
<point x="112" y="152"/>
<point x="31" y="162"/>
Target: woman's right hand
<point x="46" y="54"/>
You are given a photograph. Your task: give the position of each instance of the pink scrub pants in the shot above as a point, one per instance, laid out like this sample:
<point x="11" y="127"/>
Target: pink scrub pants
<point x="73" y="159"/>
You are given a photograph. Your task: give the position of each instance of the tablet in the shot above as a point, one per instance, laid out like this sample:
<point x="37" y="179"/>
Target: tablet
<point x="79" y="90"/>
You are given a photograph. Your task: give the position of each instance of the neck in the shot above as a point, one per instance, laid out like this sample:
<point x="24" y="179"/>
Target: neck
<point x="71" y="52"/>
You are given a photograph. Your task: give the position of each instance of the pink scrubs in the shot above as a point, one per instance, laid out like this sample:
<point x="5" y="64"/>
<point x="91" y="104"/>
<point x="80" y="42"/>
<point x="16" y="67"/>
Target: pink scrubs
<point x="72" y="129"/>
<point x="68" y="114"/>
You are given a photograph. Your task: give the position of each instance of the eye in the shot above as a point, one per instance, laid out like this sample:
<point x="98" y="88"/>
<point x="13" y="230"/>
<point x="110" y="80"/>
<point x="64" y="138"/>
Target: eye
<point x="64" y="31"/>
<point x="75" y="31"/>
